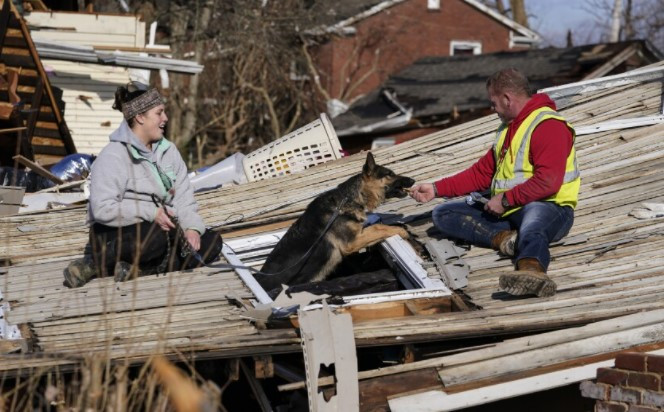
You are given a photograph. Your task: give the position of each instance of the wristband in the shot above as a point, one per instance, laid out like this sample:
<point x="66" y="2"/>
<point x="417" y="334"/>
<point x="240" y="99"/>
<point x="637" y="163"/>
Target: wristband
<point x="505" y="203"/>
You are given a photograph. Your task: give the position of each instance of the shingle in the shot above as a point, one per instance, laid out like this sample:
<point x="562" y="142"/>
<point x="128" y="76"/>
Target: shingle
<point x="433" y="86"/>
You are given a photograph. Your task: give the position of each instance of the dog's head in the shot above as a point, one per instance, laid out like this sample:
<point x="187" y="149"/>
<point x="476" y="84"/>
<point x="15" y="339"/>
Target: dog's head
<point x="384" y="181"/>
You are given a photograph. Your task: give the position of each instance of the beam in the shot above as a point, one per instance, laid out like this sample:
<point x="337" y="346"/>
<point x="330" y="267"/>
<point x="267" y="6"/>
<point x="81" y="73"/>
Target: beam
<point x="38" y="169"/>
<point x="613" y="62"/>
<point x="245" y="275"/>
<point x="619" y="124"/>
<point x="440" y="401"/>
<point x="327" y="340"/>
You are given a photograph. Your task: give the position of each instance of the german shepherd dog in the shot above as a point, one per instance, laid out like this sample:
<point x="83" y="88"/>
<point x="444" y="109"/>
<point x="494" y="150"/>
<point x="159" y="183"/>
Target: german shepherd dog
<point x="352" y="199"/>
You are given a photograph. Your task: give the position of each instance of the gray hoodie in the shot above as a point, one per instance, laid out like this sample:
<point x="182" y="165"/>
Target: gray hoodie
<point x="126" y="174"/>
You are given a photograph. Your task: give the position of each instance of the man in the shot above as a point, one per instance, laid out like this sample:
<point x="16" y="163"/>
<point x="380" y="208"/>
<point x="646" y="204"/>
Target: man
<point x="533" y="178"/>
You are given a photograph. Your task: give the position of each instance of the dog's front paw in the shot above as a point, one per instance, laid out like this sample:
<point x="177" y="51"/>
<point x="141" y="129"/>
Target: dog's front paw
<point x="401" y="232"/>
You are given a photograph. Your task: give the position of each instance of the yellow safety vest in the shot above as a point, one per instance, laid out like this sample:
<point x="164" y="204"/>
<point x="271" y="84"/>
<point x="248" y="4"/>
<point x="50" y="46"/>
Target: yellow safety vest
<point x="515" y="167"/>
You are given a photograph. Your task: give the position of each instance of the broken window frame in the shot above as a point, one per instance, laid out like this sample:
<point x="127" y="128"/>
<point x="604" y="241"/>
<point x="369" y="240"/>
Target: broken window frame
<point x="398" y="253"/>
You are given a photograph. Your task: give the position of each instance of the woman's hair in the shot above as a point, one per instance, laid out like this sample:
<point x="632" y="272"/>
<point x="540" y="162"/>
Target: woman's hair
<point x="127" y="93"/>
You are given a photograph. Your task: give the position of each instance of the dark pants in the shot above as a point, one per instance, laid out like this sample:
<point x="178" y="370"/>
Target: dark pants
<point x="148" y="246"/>
<point x="538" y="224"/>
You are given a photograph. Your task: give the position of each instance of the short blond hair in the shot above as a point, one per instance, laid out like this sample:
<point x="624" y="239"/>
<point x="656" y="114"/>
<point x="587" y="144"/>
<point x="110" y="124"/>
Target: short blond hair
<point x="510" y="79"/>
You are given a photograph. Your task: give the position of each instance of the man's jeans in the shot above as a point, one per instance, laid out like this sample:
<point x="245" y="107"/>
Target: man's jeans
<point x="538" y="224"/>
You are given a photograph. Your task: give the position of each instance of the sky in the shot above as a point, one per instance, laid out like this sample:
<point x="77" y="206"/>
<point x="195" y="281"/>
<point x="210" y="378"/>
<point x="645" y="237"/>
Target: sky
<point x="552" y="18"/>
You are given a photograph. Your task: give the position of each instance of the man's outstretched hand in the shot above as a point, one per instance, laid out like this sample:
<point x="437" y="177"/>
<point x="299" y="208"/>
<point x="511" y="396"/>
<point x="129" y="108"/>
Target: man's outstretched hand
<point x="423" y="192"/>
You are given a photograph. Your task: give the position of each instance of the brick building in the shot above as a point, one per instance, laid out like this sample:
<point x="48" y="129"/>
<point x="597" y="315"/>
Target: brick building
<point x="633" y="385"/>
<point x="379" y="38"/>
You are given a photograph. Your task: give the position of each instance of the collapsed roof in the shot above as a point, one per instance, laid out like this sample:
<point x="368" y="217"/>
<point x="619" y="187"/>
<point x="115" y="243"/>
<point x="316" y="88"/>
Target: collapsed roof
<point x="608" y="267"/>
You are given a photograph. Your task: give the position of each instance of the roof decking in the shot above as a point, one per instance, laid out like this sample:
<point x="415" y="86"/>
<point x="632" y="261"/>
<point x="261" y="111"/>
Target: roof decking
<point x="610" y="265"/>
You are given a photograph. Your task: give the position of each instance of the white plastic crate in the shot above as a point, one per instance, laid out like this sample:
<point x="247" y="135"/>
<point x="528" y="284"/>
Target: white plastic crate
<point x="307" y="146"/>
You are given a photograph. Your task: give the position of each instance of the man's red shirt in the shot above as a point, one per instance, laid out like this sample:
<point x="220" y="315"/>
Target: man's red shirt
<point x="550" y="145"/>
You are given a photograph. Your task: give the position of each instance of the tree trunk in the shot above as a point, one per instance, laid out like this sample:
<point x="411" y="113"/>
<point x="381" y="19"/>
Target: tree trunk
<point x="184" y="111"/>
<point x="500" y="7"/>
<point x="519" y="12"/>
<point x="629" y="26"/>
<point x="615" y="21"/>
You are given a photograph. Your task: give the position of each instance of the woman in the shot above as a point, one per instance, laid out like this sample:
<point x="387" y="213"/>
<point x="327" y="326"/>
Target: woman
<point x="139" y="189"/>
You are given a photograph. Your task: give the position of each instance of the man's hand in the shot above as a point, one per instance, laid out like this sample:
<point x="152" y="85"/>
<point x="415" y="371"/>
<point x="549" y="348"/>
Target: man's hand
<point x="163" y="220"/>
<point x="423" y="192"/>
<point x="193" y="238"/>
<point x="495" y="205"/>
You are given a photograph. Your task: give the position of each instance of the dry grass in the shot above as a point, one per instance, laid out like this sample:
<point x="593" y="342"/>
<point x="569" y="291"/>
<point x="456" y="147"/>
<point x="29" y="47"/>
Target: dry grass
<point x="99" y="384"/>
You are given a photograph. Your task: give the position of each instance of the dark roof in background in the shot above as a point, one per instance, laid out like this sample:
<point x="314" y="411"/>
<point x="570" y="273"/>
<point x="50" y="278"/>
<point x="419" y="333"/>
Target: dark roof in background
<point x="436" y="85"/>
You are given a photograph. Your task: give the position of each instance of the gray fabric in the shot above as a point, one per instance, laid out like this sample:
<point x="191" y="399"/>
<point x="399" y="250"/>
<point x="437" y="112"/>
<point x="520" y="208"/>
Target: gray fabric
<point x="124" y="176"/>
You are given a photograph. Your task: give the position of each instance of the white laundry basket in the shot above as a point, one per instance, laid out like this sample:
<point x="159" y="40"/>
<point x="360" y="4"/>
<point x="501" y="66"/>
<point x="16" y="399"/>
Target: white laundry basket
<point x="307" y="146"/>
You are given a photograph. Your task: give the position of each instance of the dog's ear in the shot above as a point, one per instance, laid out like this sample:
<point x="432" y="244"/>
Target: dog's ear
<point x="369" y="165"/>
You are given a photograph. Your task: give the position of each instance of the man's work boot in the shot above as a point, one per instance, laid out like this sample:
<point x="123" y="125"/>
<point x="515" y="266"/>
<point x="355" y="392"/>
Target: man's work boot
<point x="529" y="279"/>
<point x="124" y="271"/>
<point x="505" y="242"/>
<point x="79" y="272"/>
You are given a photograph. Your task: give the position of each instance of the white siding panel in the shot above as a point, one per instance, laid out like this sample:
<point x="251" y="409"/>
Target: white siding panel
<point x="87" y="29"/>
<point x="96" y="85"/>
<point x="88" y="89"/>
<point x="86" y="39"/>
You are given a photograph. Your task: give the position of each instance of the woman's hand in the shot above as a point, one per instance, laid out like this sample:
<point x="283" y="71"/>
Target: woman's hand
<point x="194" y="239"/>
<point x="163" y="220"/>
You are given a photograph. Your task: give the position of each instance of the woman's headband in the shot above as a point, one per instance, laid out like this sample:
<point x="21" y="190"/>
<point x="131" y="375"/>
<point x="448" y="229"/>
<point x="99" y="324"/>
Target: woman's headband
<point x="141" y="104"/>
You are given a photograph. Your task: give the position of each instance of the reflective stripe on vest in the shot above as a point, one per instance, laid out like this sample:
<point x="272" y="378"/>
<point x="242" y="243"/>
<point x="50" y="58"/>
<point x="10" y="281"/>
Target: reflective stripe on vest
<point x="522" y="170"/>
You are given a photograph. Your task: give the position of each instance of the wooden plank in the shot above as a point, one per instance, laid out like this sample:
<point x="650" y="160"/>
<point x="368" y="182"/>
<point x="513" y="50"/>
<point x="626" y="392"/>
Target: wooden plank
<point x="399" y="309"/>
<point x="552" y="348"/>
<point x="86" y="39"/>
<point x="47" y="141"/>
<point x="374" y="393"/>
<point x="153" y="50"/>
<point x="14" y="51"/>
<point x="88" y="23"/>
<point x="438" y="400"/>
<point x="38" y="169"/>
<point x="12" y="130"/>
<point x="554" y="376"/>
